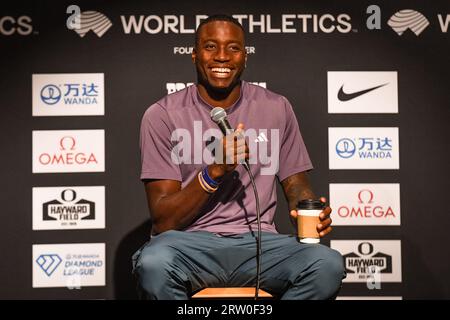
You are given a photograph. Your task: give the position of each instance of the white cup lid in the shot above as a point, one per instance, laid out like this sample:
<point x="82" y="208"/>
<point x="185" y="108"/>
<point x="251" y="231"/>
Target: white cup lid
<point x="310" y="240"/>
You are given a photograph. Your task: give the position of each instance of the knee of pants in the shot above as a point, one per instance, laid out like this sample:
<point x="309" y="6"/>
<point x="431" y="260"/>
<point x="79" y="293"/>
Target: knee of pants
<point x="330" y="272"/>
<point x="157" y="266"/>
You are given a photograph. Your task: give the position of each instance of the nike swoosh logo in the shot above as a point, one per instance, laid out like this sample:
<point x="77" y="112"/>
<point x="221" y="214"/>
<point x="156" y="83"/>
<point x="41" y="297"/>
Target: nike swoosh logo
<point x="349" y="96"/>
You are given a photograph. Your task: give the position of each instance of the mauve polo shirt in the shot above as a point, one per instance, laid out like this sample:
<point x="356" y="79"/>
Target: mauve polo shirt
<point x="178" y="127"/>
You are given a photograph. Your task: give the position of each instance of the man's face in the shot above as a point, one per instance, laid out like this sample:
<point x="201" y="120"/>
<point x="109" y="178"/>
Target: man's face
<point x="219" y="55"/>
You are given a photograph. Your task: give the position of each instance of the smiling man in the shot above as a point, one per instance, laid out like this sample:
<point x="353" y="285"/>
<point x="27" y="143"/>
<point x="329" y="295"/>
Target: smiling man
<point x="220" y="58"/>
<point x="204" y="213"/>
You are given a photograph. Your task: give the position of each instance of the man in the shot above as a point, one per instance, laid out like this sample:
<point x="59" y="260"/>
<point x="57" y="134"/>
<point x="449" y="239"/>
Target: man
<point x="204" y="214"/>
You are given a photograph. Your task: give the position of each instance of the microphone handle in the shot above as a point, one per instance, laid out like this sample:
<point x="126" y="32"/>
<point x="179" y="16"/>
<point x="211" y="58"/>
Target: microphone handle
<point x="225" y="126"/>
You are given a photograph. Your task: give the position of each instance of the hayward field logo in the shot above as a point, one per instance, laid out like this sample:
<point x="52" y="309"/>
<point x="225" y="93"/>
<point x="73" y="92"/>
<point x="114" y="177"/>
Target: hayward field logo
<point x="72" y="207"/>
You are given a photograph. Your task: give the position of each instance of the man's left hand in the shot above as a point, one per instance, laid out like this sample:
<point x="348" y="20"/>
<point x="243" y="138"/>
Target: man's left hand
<point x="324" y="226"/>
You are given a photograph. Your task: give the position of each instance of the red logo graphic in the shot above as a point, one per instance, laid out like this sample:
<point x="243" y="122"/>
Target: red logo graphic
<point x="70" y="141"/>
<point x="68" y="154"/>
<point x="366" y="208"/>
<point x="362" y="194"/>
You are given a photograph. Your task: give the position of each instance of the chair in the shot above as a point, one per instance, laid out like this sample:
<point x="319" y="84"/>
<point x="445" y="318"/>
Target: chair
<point x="231" y="293"/>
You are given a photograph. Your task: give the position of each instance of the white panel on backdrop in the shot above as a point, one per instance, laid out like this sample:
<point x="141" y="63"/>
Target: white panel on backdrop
<point x="68" y="94"/>
<point x="364" y="204"/>
<point x="68" y="265"/>
<point x="370" y="261"/>
<point x="177" y="86"/>
<point x="68" y="151"/>
<point x="362" y="92"/>
<point x="60" y="208"/>
<point x="363" y="148"/>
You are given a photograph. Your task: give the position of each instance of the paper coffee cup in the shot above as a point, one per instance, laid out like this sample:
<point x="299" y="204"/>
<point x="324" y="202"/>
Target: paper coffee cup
<point x="308" y="212"/>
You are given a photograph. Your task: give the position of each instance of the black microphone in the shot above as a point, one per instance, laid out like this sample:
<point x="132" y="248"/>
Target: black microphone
<point x="219" y="116"/>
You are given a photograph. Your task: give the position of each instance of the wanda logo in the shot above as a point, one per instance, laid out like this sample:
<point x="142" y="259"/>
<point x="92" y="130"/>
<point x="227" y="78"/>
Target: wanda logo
<point x="67" y="154"/>
<point x="366" y="207"/>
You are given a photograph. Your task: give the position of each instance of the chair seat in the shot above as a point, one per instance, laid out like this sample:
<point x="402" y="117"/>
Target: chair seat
<point x="231" y="292"/>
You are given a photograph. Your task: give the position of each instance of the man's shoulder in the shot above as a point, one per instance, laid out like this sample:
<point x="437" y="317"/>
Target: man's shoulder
<point x="176" y="100"/>
<point x="258" y="92"/>
<point x="169" y="103"/>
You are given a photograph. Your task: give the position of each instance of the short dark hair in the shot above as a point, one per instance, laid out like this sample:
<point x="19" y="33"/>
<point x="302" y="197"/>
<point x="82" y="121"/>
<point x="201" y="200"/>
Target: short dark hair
<point x="217" y="17"/>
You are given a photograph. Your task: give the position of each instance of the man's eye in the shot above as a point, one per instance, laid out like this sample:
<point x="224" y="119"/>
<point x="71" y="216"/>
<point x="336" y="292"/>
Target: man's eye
<point x="209" y="46"/>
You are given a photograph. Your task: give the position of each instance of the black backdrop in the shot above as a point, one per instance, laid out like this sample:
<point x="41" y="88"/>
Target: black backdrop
<point x="137" y="68"/>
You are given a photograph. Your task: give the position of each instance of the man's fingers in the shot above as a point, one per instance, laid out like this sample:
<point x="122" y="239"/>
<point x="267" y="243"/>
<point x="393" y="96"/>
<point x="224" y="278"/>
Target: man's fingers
<point x="293" y="213"/>
<point x="323" y="224"/>
<point x="240" y="158"/>
<point x="325" y="232"/>
<point x="234" y="140"/>
<point x="241" y="149"/>
<point x="325" y="213"/>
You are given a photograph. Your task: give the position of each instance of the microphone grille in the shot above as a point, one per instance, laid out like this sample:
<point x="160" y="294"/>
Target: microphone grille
<point x="218" y="114"/>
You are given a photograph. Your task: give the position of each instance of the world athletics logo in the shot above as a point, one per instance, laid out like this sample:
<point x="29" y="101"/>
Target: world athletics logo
<point x="83" y="22"/>
<point x="408" y="19"/>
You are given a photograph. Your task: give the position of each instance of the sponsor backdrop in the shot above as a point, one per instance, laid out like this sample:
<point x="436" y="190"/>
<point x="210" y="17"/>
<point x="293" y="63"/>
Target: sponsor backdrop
<point x="368" y="82"/>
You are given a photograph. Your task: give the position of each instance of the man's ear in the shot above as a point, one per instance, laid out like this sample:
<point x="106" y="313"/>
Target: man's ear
<point x="194" y="55"/>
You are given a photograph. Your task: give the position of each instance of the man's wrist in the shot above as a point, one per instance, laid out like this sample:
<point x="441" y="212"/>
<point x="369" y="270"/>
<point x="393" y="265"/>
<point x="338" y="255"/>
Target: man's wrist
<point x="216" y="172"/>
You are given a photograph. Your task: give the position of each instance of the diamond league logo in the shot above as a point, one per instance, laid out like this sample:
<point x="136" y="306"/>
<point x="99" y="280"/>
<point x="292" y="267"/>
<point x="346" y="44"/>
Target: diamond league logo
<point x="48" y="263"/>
<point x="72" y="265"/>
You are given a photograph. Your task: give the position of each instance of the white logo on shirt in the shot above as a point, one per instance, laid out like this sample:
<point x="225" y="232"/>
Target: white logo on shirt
<point x="261" y="138"/>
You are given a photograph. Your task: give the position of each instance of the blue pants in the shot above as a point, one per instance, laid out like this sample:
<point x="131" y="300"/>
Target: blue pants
<point x="176" y="264"/>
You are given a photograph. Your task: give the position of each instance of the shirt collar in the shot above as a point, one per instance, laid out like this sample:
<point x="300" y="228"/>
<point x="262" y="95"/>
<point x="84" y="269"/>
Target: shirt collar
<point x="198" y="100"/>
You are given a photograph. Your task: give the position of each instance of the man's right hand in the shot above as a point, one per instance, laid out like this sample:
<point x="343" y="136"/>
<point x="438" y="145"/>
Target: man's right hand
<point x="234" y="151"/>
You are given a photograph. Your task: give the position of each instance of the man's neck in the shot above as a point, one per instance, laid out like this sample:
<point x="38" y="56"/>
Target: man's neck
<point x="219" y="99"/>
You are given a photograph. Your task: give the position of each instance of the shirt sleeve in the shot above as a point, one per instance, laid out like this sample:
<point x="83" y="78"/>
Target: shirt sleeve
<point x="294" y="157"/>
<point x="156" y="146"/>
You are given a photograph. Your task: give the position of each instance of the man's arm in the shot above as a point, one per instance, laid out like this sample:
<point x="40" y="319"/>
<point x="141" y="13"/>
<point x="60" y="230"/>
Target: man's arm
<point x="172" y="207"/>
<point x="297" y="187"/>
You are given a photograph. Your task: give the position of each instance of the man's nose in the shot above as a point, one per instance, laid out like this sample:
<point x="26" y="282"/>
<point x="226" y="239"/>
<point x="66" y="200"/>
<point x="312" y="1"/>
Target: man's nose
<point x="222" y="55"/>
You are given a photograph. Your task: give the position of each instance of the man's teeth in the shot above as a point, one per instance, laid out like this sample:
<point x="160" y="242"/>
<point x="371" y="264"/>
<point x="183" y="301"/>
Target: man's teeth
<point x="221" y="70"/>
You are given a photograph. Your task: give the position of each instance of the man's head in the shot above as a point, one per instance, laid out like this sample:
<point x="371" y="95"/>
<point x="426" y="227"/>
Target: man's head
<point x="219" y="54"/>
